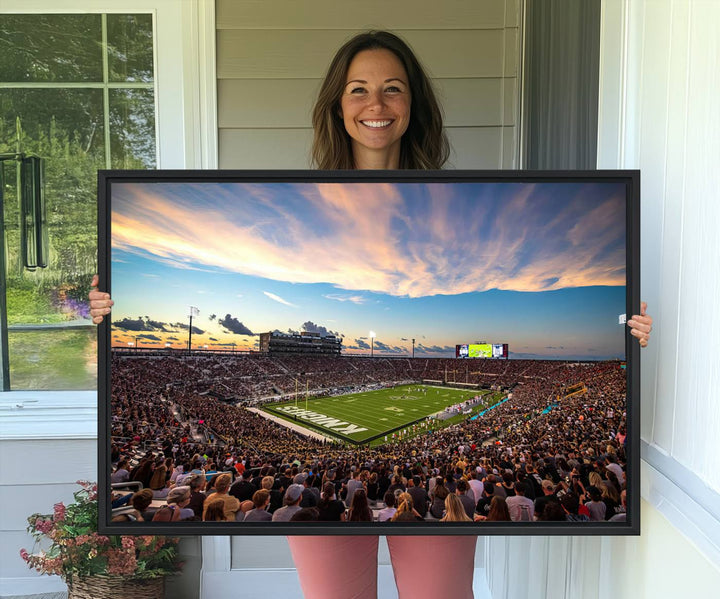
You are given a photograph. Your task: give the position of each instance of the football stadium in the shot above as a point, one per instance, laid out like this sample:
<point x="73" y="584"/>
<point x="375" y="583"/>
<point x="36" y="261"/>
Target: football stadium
<point x="269" y="431"/>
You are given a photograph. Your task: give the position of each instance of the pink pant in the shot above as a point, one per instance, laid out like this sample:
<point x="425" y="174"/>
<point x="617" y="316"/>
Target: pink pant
<point x="346" y="567"/>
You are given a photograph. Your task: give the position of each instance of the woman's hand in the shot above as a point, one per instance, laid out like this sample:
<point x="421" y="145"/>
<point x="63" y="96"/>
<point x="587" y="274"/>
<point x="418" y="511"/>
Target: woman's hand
<point x="641" y="325"/>
<point x="100" y="302"/>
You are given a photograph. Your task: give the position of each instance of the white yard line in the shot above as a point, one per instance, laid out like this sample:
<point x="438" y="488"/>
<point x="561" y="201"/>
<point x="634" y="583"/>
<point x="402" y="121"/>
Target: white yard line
<point x="291" y="425"/>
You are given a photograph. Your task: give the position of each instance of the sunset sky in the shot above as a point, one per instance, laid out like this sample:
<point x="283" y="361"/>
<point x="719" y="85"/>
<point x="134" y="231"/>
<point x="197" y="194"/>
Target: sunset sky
<point x="538" y="266"/>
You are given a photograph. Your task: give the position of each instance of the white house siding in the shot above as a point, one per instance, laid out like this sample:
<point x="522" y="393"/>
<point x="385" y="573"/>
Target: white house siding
<point x="658" y="111"/>
<point x="271" y="57"/>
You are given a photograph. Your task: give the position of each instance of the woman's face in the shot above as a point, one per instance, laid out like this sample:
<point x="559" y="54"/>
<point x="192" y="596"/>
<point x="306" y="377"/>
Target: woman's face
<point x="375" y="105"/>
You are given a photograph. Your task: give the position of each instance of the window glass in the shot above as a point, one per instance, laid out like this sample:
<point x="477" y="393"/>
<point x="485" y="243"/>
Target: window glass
<point x="52" y="342"/>
<point x="130" y="45"/>
<point x="132" y="128"/>
<point x="36" y="48"/>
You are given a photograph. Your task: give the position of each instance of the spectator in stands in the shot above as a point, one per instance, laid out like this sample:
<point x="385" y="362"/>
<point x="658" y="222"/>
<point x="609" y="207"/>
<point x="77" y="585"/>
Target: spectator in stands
<point x="121" y="474"/>
<point x="476" y="483"/>
<point x="552" y="512"/>
<point x="311" y="494"/>
<point x="353" y="484"/>
<point x="196" y="482"/>
<point x="231" y="505"/>
<point x="596" y="506"/>
<point x="521" y="508"/>
<point x="389" y="510"/>
<point x="141" y="502"/>
<point x="548" y="496"/>
<point x="621" y="516"/>
<point x="406" y="511"/>
<point x="419" y="495"/>
<point x="454" y="510"/>
<point x="215" y="511"/>
<point x="498" y="510"/>
<point x="291" y="504"/>
<point x="359" y="510"/>
<point x="305" y="514"/>
<point x="276" y="495"/>
<point x="373" y="488"/>
<point x="259" y="513"/>
<point x="143" y="472"/>
<point x="571" y="504"/>
<point x="330" y="508"/>
<point x="243" y="489"/>
<point x="464" y="493"/>
<point x="483" y="505"/>
<point x="180" y="497"/>
<point x="437" y="498"/>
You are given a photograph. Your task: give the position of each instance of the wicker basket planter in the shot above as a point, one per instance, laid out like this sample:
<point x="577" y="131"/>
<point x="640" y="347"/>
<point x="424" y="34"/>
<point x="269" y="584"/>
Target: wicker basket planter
<point x="116" y="587"/>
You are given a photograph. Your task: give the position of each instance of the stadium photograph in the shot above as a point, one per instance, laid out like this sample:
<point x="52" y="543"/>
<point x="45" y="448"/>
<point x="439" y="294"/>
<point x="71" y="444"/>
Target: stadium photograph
<point x="353" y="352"/>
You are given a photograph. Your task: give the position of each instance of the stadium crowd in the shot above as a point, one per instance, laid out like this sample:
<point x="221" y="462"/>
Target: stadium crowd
<point x="181" y="429"/>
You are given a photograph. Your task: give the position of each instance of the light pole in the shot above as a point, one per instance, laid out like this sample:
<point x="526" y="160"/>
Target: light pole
<point x="372" y="342"/>
<point x="413" y="354"/>
<point x="193" y="312"/>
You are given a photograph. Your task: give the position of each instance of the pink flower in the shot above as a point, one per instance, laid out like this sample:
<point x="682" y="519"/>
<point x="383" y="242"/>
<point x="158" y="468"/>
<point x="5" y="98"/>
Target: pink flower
<point x="43" y="526"/>
<point x="128" y="543"/>
<point x="121" y="562"/>
<point x="59" y="512"/>
<point x="24" y="555"/>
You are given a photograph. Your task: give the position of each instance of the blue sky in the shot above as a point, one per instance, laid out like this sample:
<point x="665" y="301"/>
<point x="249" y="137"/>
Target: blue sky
<point x="538" y="266"/>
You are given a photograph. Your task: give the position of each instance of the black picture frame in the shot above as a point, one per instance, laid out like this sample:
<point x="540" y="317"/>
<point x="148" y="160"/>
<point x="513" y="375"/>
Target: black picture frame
<point x="629" y="179"/>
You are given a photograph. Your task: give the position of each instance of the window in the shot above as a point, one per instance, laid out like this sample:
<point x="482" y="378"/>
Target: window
<point x="77" y="90"/>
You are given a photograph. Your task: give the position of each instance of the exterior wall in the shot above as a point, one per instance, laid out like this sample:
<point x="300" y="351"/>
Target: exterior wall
<point x="271" y="57"/>
<point x="659" y="84"/>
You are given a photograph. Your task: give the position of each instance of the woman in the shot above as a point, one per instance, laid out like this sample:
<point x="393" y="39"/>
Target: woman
<point x="454" y="510"/>
<point x="406" y="511"/>
<point x="498" y="511"/>
<point x="330" y="509"/>
<point x="437" y="498"/>
<point x="359" y="510"/>
<point x="215" y="511"/>
<point x="377" y="110"/>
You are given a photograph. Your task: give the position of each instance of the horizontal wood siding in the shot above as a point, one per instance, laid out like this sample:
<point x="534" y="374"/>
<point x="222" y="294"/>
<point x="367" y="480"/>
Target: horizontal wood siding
<point x="272" y="56"/>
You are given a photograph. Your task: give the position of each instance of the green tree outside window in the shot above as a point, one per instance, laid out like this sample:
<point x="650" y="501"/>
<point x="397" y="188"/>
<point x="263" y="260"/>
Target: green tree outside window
<point x="81" y="88"/>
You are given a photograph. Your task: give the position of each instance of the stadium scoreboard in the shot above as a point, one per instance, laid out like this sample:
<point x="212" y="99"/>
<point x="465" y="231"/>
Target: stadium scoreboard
<point x="482" y="350"/>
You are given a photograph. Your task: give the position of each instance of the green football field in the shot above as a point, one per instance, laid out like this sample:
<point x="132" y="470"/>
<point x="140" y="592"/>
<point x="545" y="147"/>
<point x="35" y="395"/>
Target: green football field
<point x="361" y="417"/>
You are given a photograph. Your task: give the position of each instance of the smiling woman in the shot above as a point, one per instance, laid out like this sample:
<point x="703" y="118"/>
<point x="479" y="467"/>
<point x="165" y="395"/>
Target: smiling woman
<point x="377" y="99"/>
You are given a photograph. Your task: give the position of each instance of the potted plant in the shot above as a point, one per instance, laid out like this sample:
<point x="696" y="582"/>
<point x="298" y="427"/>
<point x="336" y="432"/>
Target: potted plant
<point x="67" y="544"/>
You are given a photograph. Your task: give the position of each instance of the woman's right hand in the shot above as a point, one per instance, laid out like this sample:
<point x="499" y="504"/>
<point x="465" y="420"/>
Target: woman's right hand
<point x="100" y="302"/>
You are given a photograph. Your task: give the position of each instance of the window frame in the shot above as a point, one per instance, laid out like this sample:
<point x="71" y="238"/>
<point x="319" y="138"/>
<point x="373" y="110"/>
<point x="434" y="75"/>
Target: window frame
<point x="186" y="137"/>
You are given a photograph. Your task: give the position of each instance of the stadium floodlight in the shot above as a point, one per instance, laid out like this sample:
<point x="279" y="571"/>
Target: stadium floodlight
<point x="193" y="312"/>
<point x="372" y="341"/>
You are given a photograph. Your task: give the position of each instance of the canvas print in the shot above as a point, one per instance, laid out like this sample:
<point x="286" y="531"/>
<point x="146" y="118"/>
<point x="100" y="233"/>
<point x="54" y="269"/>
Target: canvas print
<point x="359" y="354"/>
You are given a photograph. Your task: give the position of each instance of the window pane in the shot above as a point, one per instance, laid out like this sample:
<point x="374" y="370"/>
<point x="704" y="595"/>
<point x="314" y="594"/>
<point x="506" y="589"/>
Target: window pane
<point x="54" y="359"/>
<point x="65" y="128"/>
<point x="52" y="344"/>
<point x="49" y="117"/>
<point x="130" y="45"/>
<point x="132" y="128"/>
<point x="50" y="48"/>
